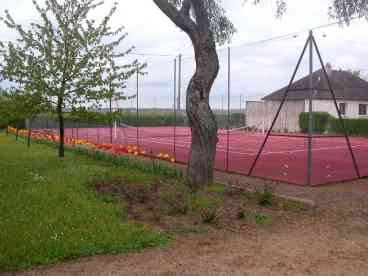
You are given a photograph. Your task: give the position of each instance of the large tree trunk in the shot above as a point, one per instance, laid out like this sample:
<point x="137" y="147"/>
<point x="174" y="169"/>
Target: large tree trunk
<point x="201" y="118"/>
<point x="61" y="127"/>
<point x="193" y="17"/>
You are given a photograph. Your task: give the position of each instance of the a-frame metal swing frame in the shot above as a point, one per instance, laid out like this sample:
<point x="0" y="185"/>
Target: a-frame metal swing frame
<point x="311" y="42"/>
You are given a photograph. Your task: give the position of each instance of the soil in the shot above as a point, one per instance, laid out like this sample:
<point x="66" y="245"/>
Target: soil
<point x="328" y="238"/>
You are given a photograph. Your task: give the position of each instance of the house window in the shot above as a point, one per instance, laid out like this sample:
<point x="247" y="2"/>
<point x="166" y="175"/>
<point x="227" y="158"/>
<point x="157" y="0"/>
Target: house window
<point x="342" y="107"/>
<point x="362" y="109"/>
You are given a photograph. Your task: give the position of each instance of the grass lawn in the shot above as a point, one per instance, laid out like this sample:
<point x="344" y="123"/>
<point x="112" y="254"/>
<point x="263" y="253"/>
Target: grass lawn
<point x="50" y="213"/>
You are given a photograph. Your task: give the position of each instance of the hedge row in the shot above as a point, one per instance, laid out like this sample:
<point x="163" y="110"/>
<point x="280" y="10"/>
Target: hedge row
<point x="323" y="122"/>
<point x="320" y="122"/>
<point x="355" y="127"/>
<point x="145" y="118"/>
<point x="5" y="123"/>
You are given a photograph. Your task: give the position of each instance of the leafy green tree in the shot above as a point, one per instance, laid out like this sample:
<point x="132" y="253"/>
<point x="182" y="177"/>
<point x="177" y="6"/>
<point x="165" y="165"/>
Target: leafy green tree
<point x="16" y="106"/>
<point x="346" y="10"/>
<point x="64" y="56"/>
<point x="4" y="114"/>
<point x="23" y="105"/>
<point x="115" y="83"/>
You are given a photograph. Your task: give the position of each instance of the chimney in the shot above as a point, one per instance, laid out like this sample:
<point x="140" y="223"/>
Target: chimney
<point x="329" y="69"/>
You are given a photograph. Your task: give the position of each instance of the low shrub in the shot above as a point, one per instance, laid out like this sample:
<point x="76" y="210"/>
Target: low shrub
<point x="261" y="218"/>
<point x="266" y="196"/>
<point x="320" y="121"/>
<point x="207" y="207"/>
<point x="355" y="127"/>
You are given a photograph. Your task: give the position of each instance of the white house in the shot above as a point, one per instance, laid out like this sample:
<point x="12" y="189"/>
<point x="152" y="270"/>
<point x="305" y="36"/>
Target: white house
<point x="351" y="93"/>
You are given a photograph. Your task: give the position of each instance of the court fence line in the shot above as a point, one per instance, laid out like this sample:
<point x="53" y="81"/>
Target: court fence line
<point x="262" y="151"/>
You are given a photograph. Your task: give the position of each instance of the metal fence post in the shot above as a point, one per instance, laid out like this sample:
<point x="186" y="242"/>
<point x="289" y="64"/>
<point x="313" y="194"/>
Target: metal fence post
<point x="175" y="119"/>
<point x="357" y="171"/>
<point x="279" y="109"/>
<point x="228" y="107"/>
<point x="137" y="107"/>
<point x="179" y="83"/>
<point x="310" y="112"/>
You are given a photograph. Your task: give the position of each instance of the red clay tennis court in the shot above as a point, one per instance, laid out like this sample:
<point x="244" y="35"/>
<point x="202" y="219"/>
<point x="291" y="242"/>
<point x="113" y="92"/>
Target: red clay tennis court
<point x="284" y="157"/>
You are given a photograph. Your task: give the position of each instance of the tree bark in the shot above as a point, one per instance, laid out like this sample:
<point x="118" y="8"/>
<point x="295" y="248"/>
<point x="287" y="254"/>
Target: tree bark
<point x="61" y="127"/>
<point x="201" y="118"/>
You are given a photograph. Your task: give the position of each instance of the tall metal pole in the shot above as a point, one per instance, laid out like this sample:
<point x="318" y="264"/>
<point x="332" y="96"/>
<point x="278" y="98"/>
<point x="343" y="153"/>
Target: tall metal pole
<point x="228" y="107"/>
<point x="279" y="109"/>
<point x="110" y="121"/>
<point x="137" y="107"/>
<point x="175" y="118"/>
<point x="179" y="84"/>
<point x="337" y="109"/>
<point x="310" y="111"/>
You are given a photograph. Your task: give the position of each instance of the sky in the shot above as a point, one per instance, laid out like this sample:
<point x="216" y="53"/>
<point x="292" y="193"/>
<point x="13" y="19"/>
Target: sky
<point x="257" y="69"/>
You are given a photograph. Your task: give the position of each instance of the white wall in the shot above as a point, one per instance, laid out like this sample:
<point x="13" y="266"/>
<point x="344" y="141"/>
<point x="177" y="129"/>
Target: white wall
<point x="260" y="115"/>
<point x="352" y="107"/>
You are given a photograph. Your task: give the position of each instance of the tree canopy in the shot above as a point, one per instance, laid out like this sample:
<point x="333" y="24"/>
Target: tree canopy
<point x="66" y="56"/>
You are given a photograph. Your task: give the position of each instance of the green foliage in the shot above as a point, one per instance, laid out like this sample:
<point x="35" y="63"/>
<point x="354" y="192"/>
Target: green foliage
<point x="346" y="10"/>
<point x="153" y="118"/>
<point x="293" y="206"/>
<point x="49" y="212"/>
<point x="207" y="207"/>
<point x="148" y="118"/>
<point x="354" y="127"/>
<point x="220" y="26"/>
<point x="266" y="196"/>
<point x="237" y="119"/>
<point x="320" y="122"/>
<point x="155" y="167"/>
<point x="261" y="218"/>
<point x="67" y="57"/>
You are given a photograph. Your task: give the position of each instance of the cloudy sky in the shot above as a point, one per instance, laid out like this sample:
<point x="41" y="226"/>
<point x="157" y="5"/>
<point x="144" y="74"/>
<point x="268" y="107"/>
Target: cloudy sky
<point x="257" y="69"/>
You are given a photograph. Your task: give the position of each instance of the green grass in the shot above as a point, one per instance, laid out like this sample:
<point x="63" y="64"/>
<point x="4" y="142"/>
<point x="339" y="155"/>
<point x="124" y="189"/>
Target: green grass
<point x="50" y="213"/>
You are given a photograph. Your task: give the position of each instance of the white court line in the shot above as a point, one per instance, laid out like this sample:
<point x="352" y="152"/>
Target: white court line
<point x="220" y="148"/>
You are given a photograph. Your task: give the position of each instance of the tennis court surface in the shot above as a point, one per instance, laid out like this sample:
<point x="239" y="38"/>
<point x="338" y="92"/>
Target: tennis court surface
<point x="284" y="157"/>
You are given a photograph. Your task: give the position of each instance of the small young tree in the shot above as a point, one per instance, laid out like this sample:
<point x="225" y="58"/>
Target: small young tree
<point x="5" y="118"/>
<point x="64" y="56"/>
<point x="115" y="82"/>
<point x="22" y="105"/>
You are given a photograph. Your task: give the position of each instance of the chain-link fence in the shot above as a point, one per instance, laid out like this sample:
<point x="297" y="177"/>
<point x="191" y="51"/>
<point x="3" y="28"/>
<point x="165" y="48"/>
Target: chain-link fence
<point x="266" y="127"/>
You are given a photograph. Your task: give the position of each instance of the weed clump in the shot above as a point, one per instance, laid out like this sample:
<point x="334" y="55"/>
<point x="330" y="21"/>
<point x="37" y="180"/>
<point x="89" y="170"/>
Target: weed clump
<point x="266" y="196"/>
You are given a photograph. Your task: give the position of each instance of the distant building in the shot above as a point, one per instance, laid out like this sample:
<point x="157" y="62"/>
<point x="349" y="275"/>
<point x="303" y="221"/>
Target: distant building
<point x="351" y="93"/>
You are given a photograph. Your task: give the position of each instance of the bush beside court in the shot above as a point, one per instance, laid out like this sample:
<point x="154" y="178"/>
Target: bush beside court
<point x="320" y="122"/>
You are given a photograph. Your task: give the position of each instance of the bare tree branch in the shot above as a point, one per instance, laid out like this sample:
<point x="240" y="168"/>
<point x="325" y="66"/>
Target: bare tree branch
<point x="181" y="19"/>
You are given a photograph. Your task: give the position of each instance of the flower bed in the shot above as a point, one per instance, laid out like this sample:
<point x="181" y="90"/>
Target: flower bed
<point x="114" y="149"/>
